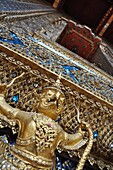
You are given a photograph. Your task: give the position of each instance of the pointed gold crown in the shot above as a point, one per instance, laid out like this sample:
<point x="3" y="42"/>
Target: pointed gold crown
<point x="57" y="85"/>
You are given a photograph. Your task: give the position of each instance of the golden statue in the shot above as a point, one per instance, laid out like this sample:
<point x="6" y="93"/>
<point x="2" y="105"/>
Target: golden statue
<point x="39" y="135"/>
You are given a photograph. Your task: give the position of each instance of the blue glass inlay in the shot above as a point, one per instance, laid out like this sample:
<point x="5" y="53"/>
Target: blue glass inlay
<point x="35" y="85"/>
<point x="58" y="120"/>
<point x="12" y="143"/>
<point x="4" y="139"/>
<point x="58" y="164"/>
<point x="71" y="68"/>
<point x="111" y="95"/>
<point x="37" y="48"/>
<point x="28" y="52"/>
<point x="15" y="39"/>
<point x="68" y="70"/>
<point x="15" y="98"/>
<point x="95" y="134"/>
<point x="64" y="164"/>
<point x="111" y="88"/>
<point x="14" y="75"/>
<point x="33" y="39"/>
<point x="45" y="63"/>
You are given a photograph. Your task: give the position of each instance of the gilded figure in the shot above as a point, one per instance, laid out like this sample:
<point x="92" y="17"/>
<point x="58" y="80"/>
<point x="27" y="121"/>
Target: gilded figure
<point x="39" y="133"/>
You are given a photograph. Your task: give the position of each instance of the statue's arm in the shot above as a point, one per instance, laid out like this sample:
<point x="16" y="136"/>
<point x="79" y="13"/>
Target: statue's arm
<point x="6" y="109"/>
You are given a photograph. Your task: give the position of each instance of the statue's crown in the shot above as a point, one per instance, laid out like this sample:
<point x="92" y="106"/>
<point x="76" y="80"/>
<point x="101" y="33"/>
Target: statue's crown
<point x="57" y="85"/>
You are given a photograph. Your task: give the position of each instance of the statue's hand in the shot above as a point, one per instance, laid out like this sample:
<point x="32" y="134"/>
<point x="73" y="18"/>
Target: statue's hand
<point x="83" y="127"/>
<point x="75" y="141"/>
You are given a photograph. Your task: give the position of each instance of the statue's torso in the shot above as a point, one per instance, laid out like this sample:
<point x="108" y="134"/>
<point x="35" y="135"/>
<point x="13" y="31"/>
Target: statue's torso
<point x="38" y="144"/>
<point x="48" y="135"/>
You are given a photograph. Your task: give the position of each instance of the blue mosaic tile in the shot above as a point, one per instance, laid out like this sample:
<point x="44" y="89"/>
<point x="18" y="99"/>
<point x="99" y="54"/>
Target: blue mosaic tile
<point x="95" y="134"/>
<point x="15" y="98"/>
<point x="68" y="70"/>
<point x="15" y="39"/>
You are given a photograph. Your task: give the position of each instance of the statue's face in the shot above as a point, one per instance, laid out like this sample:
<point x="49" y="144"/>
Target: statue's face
<point x="51" y="102"/>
